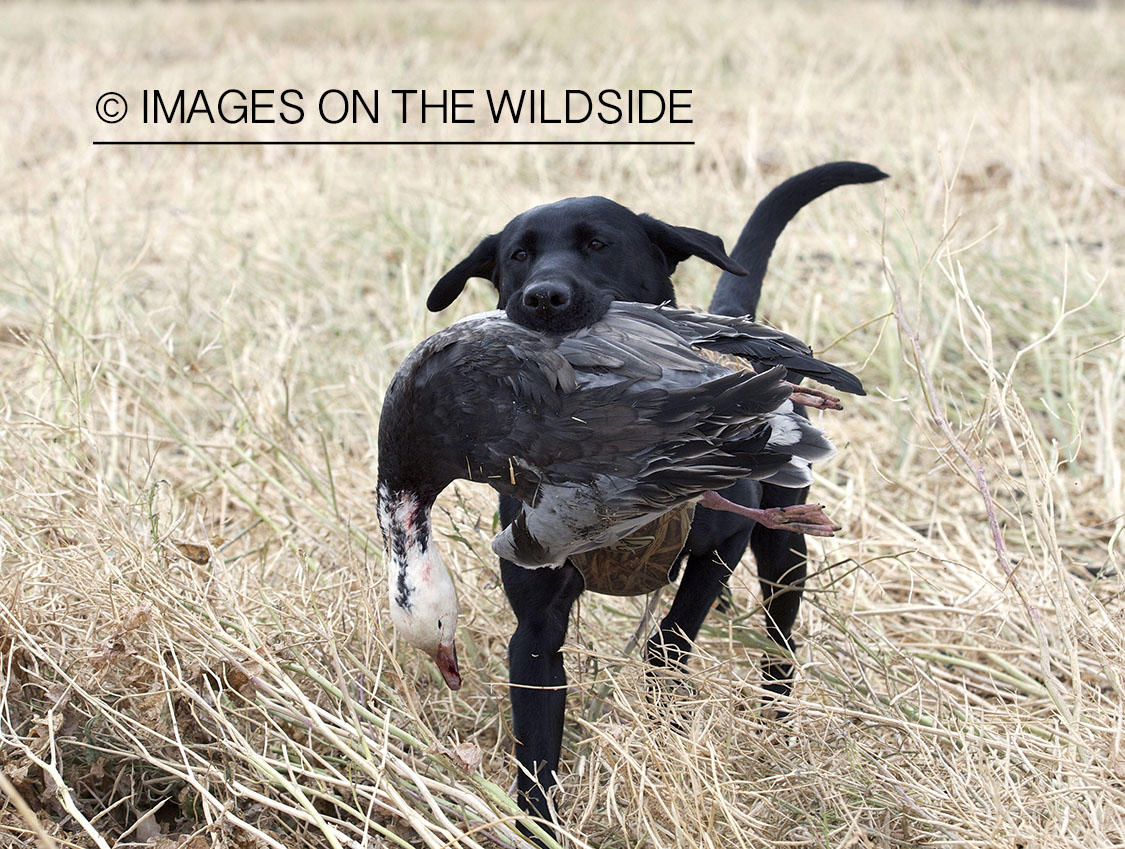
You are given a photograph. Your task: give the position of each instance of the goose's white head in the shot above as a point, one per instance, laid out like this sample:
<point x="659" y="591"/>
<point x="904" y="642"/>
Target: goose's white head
<point x="423" y="597"/>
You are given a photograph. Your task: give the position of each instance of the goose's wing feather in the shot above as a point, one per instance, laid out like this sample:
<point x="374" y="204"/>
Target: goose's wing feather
<point x="637" y="430"/>
<point x="742" y="337"/>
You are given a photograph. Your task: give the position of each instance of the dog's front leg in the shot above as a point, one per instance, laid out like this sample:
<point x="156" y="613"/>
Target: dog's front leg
<point x="541" y="600"/>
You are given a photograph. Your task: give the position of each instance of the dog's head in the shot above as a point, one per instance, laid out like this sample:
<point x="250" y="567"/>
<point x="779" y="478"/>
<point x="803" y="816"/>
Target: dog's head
<point x="557" y="267"/>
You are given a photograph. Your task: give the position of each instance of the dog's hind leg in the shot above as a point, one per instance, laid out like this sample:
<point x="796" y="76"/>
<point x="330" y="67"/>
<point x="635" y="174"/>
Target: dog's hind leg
<point x="782" y="567"/>
<point x="782" y="558"/>
<point x="705" y="574"/>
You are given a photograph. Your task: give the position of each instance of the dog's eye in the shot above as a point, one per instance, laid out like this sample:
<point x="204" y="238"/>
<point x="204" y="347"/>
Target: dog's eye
<point x="520" y="255"/>
<point x="596" y="244"/>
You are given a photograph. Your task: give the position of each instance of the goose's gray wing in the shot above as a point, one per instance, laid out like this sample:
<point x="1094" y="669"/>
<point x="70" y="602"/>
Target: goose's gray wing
<point x="641" y="452"/>
<point x="670" y="436"/>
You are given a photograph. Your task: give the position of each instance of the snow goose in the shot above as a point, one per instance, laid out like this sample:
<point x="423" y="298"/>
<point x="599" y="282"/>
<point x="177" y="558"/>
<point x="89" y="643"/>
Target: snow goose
<point x="597" y="432"/>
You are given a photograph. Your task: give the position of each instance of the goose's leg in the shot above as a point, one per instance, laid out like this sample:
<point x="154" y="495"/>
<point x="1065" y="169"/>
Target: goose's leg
<point x="816" y="398"/>
<point x="799" y="518"/>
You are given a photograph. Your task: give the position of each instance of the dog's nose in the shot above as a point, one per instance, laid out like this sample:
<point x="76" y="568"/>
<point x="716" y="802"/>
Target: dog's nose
<point x="547" y="298"/>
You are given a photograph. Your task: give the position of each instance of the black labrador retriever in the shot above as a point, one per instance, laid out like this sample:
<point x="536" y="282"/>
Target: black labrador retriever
<point x="555" y="268"/>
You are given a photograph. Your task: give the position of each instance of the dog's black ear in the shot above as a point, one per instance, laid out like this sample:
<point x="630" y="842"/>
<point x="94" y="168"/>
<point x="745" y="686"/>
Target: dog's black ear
<point x="678" y="243"/>
<point x="479" y="263"/>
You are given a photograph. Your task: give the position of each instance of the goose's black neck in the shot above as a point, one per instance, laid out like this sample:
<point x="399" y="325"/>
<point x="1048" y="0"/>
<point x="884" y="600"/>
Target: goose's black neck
<point x="412" y="458"/>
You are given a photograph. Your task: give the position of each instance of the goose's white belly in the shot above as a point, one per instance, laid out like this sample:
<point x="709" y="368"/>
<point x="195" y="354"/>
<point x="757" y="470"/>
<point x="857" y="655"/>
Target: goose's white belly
<point x="569" y="520"/>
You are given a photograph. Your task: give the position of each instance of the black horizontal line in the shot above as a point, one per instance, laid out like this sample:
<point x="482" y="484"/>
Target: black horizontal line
<point x="135" y="142"/>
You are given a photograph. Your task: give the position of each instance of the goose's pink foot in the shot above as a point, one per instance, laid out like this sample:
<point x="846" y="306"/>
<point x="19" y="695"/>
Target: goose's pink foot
<point x="799" y="518"/>
<point x="818" y="399"/>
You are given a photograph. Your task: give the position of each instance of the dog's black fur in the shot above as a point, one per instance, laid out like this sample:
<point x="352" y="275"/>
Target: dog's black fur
<point x="556" y="268"/>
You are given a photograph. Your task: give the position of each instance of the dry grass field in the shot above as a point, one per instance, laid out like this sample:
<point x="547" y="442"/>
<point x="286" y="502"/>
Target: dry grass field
<point x="195" y="649"/>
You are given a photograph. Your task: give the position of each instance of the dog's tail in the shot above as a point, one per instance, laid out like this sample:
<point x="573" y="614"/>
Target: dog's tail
<point x="736" y="295"/>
